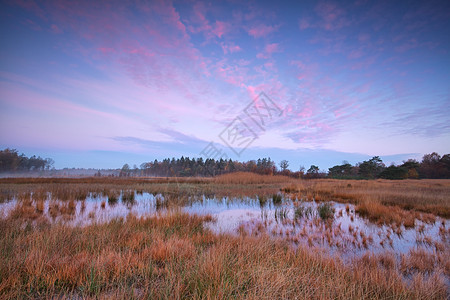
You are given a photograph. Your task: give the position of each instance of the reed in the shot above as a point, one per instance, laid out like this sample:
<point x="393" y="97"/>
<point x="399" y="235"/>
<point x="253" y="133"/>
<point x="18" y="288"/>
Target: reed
<point x="325" y="211"/>
<point x="113" y="198"/>
<point x="277" y="199"/>
<point x="262" y="200"/>
<point x="160" y="202"/>
<point x="413" y="199"/>
<point x="251" y="178"/>
<point x="299" y="212"/>
<point x="427" y="196"/>
<point x="173" y="255"/>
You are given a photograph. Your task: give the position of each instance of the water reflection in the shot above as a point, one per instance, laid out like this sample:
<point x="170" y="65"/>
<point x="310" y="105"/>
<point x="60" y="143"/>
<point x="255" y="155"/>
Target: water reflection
<point x="334" y="227"/>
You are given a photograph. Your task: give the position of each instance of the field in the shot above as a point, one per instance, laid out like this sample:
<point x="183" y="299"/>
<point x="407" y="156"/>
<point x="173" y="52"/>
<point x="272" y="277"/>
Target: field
<point x="165" y="238"/>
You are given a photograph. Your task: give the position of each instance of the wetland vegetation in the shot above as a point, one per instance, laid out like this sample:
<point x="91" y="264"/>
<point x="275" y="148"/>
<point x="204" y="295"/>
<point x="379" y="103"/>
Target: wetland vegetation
<point x="240" y="235"/>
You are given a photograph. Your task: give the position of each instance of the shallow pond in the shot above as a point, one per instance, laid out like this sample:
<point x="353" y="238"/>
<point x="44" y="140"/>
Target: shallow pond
<point x="341" y="232"/>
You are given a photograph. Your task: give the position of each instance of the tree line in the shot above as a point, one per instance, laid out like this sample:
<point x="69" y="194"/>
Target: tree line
<point x="431" y="166"/>
<point x="11" y="161"/>
<point x="186" y="166"/>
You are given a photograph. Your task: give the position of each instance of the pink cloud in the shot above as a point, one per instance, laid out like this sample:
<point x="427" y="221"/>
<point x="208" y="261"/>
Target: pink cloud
<point x="270" y="66"/>
<point x="268" y="51"/>
<point x="200" y="24"/>
<point x="243" y="62"/>
<point x="170" y="14"/>
<point x="272" y="48"/>
<point x="198" y="19"/>
<point x="306" y="110"/>
<point x="106" y="50"/>
<point x="273" y="88"/>
<point x="333" y="17"/>
<point x="262" y="30"/>
<point x="230" y="48"/>
<point x="153" y="48"/>
<point x="305" y="71"/>
<point x="232" y="73"/>
<point x="253" y="91"/>
<point x="221" y="28"/>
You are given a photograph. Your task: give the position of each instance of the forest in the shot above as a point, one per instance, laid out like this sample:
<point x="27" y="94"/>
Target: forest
<point x="431" y="166"/>
<point x="11" y="161"/>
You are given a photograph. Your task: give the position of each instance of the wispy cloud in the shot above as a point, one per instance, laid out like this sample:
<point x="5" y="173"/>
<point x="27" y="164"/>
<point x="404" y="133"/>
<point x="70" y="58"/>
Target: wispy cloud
<point x="269" y="49"/>
<point x="262" y="30"/>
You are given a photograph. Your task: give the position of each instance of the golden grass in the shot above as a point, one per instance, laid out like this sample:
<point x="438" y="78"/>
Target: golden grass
<point x="179" y="189"/>
<point x="174" y="256"/>
<point x="377" y="212"/>
<point x="251" y="178"/>
<point x="382" y="200"/>
<point x="102" y="180"/>
<point x="25" y="209"/>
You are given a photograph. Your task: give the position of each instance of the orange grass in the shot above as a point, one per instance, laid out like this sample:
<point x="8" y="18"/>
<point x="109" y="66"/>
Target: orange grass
<point x="78" y="188"/>
<point x="382" y="200"/>
<point x="251" y="178"/>
<point x="173" y="256"/>
<point x="415" y="198"/>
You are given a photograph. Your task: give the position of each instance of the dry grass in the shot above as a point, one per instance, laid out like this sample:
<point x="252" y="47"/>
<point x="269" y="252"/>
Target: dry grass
<point x="377" y="212"/>
<point x="102" y="180"/>
<point x="382" y="200"/>
<point x="423" y="285"/>
<point x="79" y="188"/>
<point x="173" y="256"/>
<point x="251" y="178"/>
<point x="26" y="209"/>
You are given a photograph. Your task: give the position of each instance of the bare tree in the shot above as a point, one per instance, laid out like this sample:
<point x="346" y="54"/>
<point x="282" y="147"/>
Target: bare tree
<point x="284" y="164"/>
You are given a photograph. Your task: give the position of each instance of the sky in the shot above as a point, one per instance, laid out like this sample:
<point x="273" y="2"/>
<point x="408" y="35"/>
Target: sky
<point x="102" y="83"/>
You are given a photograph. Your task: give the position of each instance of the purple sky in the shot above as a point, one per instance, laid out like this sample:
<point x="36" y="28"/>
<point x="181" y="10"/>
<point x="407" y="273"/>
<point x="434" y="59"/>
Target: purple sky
<point x="103" y="83"/>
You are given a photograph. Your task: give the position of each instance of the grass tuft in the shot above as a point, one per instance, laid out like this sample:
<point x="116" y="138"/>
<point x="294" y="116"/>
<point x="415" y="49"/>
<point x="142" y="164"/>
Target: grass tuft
<point x="325" y="211"/>
<point x="276" y="199"/>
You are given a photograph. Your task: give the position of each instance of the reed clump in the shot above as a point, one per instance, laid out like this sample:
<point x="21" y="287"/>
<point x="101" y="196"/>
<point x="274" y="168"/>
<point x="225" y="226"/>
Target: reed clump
<point x="277" y="199"/>
<point x="299" y="212"/>
<point x="379" y="213"/>
<point x="262" y="200"/>
<point x="25" y="210"/>
<point x="325" y="211"/>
